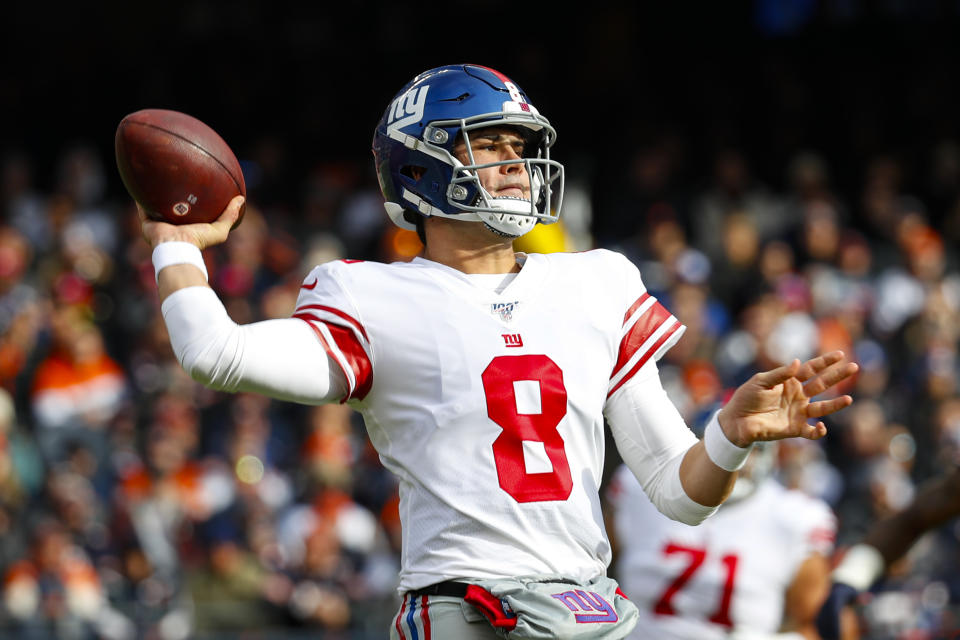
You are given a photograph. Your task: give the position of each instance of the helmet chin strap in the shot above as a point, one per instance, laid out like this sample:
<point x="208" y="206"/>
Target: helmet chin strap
<point x="515" y="219"/>
<point x="511" y="205"/>
<point x="502" y="234"/>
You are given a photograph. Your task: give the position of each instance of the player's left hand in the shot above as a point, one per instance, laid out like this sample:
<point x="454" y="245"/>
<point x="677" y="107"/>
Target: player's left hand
<point x="776" y="404"/>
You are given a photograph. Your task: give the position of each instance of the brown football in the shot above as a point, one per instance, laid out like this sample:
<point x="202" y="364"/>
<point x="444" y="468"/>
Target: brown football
<point x="178" y="168"/>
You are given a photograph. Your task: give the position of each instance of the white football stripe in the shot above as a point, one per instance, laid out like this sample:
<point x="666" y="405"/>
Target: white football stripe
<point x="667" y="324"/>
<point x="338" y="356"/>
<point x="327" y="317"/>
<point x="632" y="320"/>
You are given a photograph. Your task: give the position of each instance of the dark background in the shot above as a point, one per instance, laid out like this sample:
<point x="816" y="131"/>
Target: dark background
<point x="848" y="78"/>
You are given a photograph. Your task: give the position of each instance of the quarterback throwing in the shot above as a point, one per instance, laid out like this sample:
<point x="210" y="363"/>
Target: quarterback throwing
<point x="484" y="376"/>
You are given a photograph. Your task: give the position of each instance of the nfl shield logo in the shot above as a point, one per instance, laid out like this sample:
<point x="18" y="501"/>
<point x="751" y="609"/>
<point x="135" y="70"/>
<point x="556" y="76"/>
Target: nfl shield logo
<point x="504" y="310"/>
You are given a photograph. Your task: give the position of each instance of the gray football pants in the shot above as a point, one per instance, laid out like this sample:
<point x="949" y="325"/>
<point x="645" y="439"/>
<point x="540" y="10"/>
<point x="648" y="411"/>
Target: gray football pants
<point x="440" y="618"/>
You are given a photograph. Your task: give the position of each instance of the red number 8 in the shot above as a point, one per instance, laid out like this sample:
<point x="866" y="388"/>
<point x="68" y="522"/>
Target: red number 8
<point x="498" y="379"/>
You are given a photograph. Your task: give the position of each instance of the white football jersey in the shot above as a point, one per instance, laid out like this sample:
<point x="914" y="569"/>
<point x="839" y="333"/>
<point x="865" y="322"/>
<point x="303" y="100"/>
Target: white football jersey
<point x="730" y="572"/>
<point x="489" y="406"/>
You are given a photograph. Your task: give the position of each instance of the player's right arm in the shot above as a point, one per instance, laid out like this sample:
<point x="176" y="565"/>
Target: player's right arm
<point x="278" y="358"/>
<point x="185" y="274"/>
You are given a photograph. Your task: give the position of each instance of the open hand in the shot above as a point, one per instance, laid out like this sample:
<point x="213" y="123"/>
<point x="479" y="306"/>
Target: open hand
<point x="776" y="404"/>
<point x="202" y="234"/>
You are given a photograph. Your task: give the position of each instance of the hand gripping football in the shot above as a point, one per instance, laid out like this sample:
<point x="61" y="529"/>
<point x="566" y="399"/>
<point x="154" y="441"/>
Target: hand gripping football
<point x="178" y="168"/>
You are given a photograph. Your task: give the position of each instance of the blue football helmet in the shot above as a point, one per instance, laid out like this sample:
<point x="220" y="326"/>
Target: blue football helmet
<point x="413" y="150"/>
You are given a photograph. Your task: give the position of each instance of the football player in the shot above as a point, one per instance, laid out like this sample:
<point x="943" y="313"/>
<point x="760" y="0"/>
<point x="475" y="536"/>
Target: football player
<point x="484" y="375"/>
<point x="936" y="503"/>
<point x="756" y="570"/>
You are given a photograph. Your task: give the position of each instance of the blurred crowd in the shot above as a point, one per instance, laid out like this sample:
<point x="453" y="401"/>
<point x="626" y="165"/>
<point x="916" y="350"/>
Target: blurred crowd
<point x="136" y="503"/>
<point x="133" y="501"/>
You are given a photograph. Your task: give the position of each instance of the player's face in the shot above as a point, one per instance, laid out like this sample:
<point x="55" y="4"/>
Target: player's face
<point x="497" y="144"/>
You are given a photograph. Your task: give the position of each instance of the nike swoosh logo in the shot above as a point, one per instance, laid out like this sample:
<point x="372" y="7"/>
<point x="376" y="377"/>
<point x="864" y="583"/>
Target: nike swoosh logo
<point x="309" y="286"/>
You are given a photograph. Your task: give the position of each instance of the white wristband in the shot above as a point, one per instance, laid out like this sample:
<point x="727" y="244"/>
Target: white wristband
<point x="166" y="254"/>
<point x="720" y="450"/>
<point x="861" y="566"/>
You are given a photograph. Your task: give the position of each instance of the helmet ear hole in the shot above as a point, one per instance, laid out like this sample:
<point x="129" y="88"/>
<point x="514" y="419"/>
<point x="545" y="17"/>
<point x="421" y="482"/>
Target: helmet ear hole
<point x="413" y="171"/>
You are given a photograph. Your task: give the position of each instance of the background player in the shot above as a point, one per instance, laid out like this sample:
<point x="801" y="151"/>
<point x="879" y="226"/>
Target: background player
<point x="758" y="569"/>
<point x="483" y="375"/>
<point x="936" y="503"/>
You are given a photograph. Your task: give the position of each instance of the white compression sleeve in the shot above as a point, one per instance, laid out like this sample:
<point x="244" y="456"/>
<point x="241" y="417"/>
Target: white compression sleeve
<point x="279" y="358"/>
<point x="652" y="439"/>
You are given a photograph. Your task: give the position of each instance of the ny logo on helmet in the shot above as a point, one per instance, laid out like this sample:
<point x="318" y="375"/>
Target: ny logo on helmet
<point x="408" y="108"/>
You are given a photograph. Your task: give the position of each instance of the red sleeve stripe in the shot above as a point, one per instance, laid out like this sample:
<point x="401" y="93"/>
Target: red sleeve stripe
<point x="340" y="314"/>
<point x="661" y="343"/>
<point x="633" y="308"/>
<point x="644" y="326"/>
<point x="356" y="357"/>
<point x="335" y="355"/>
<point x="821" y="535"/>
<point x="342" y="345"/>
